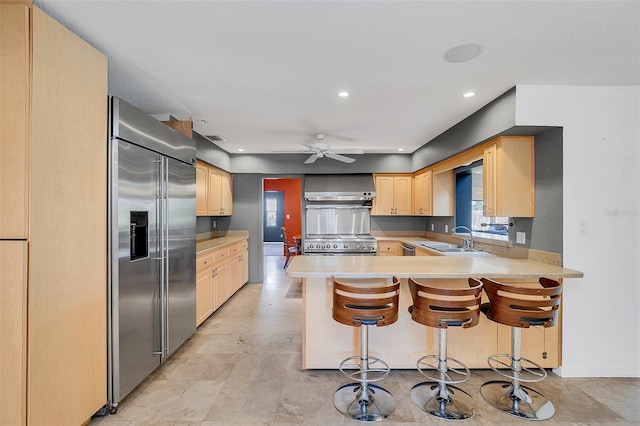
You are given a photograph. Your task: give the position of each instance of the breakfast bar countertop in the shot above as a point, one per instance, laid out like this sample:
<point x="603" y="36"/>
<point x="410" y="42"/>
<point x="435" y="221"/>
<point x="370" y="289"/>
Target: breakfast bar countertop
<point x="477" y="265"/>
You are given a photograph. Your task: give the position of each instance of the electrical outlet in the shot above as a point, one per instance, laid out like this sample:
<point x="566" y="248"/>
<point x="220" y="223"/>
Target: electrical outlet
<point x="583" y="228"/>
<point x="446" y="229"/>
<point x="214" y="223"/>
<point x="521" y="237"/>
<point x="433" y="227"/>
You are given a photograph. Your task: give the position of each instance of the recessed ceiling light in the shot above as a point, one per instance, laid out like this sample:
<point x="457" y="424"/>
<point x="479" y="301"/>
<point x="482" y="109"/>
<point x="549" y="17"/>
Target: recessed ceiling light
<point x="203" y="121"/>
<point x="463" y="53"/>
<point x="400" y="149"/>
<point x="344" y="94"/>
<point x="240" y="149"/>
<point x="468" y="94"/>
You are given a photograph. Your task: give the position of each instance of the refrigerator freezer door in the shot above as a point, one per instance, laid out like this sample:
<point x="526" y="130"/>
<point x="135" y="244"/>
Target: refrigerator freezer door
<point x="181" y="214"/>
<point x="136" y="277"/>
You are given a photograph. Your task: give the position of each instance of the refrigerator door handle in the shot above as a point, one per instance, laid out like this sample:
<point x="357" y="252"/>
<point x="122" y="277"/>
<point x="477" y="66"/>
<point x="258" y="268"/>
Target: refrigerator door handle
<point x="161" y="226"/>
<point x="165" y="254"/>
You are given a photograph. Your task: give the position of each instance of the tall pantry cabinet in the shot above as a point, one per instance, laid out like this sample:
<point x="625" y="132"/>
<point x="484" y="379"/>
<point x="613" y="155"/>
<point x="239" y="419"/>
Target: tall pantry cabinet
<point x="53" y="195"/>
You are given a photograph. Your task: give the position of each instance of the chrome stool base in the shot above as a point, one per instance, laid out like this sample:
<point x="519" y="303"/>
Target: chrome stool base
<point x="443" y="401"/>
<point x="522" y="402"/>
<point x="379" y="405"/>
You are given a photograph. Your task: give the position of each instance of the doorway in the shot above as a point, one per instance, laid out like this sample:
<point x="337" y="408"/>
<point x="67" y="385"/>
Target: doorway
<point x="282" y="206"/>
<point x="273" y="219"/>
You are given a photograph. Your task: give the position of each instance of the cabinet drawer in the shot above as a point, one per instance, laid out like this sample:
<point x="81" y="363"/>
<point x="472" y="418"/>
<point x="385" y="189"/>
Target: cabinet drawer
<point x="204" y="261"/>
<point x="388" y="246"/>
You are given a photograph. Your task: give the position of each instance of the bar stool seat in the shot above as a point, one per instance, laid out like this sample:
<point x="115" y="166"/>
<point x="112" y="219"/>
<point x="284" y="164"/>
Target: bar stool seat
<point x="519" y="307"/>
<point x="443" y="308"/>
<point x="364" y="303"/>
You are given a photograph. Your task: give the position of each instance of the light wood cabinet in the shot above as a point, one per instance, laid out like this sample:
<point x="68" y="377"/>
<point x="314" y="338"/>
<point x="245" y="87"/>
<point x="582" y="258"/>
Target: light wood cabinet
<point x="422" y="194"/>
<point x="15" y="86"/>
<point x="508" y="177"/>
<point x="202" y="176"/>
<point x="214" y="191"/>
<point x="13" y="331"/>
<point x="220" y="273"/>
<point x="433" y="193"/>
<point x="389" y="248"/>
<point x="393" y="195"/>
<point x="426" y="252"/>
<point x="58" y="179"/>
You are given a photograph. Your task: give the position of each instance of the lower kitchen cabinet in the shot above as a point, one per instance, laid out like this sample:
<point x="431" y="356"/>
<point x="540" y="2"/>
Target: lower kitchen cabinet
<point x="220" y="273"/>
<point x="389" y="248"/>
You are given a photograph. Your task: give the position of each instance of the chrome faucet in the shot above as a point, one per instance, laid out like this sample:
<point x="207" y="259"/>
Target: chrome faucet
<point x="468" y="244"/>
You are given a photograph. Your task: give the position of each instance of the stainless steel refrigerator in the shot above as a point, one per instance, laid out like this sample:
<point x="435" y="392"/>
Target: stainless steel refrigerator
<point x="152" y="245"/>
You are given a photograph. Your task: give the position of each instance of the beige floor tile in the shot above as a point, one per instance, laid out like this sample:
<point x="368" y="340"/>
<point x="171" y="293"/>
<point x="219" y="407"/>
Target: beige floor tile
<point x="243" y="368"/>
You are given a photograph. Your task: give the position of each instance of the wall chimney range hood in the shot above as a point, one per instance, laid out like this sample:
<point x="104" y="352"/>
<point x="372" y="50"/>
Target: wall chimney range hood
<point x="354" y="187"/>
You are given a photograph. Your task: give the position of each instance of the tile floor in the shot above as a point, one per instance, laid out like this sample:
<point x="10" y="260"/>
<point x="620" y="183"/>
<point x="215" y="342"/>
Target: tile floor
<point x="242" y="367"/>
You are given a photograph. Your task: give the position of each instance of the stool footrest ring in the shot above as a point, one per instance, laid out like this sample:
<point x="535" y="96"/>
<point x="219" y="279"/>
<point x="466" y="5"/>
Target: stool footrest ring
<point x="378" y="369"/>
<point x="529" y="371"/>
<point x="456" y="372"/>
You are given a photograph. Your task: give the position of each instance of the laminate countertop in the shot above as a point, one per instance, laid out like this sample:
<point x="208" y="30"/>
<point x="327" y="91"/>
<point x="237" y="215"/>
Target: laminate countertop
<point x="478" y="265"/>
<point x="206" y="242"/>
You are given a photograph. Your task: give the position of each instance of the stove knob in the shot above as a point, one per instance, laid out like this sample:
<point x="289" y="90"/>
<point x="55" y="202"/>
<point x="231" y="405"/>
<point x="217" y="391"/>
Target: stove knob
<point x="335" y="246"/>
<point x="345" y="246"/>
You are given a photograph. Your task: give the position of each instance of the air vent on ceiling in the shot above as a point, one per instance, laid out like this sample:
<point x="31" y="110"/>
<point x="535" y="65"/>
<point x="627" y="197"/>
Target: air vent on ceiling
<point x="215" y="138"/>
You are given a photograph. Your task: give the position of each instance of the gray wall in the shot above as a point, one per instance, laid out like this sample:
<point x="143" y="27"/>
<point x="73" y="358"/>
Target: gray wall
<point x="210" y="153"/>
<point x="486" y="123"/>
<point x="544" y="231"/>
<point x="294" y="164"/>
<point x="247" y="215"/>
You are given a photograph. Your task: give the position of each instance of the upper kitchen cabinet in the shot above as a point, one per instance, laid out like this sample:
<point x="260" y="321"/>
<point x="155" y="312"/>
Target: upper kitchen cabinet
<point x="422" y="190"/>
<point x="53" y="189"/>
<point x="393" y="195"/>
<point x="15" y="86"/>
<point x="214" y="195"/>
<point x="433" y="193"/>
<point x="508" y="177"/>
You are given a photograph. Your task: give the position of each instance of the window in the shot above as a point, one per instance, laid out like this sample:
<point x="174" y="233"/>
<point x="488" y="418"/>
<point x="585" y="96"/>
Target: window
<point x="271" y="209"/>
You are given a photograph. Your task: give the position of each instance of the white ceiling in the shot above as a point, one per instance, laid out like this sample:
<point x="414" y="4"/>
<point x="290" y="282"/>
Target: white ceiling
<point x="265" y="74"/>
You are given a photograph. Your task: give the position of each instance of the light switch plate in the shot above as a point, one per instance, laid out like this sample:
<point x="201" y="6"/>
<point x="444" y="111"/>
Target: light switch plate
<point x="521" y="237"/>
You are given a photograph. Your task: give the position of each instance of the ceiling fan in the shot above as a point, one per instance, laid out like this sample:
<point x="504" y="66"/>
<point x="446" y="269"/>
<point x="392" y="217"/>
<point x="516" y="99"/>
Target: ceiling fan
<point x="320" y="149"/>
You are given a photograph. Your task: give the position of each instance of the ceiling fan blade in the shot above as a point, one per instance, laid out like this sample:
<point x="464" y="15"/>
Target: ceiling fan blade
<point x="349" y="151"/>
<point x="340" y="157"/>
<point x="312" y="159"/>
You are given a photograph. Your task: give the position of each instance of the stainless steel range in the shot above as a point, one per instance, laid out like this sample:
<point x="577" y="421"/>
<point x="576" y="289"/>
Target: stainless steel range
<point x="353" y="245"/>
<point x="338" y="221"/>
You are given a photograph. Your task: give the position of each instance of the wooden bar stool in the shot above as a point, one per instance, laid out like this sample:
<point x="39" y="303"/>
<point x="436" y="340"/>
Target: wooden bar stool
<point x="443" y="308"/>
<point x="520" y="307"/>
<point x="363" y="303"/>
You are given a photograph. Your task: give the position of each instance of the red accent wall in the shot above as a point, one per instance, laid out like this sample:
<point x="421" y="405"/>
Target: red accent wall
<point x="292" y="189"/>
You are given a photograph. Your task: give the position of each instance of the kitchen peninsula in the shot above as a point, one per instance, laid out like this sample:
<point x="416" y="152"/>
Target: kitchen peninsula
<point x="325" y="342"/>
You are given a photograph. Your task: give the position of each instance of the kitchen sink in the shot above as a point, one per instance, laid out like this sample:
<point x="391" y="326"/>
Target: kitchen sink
<point x="446" y="247"/>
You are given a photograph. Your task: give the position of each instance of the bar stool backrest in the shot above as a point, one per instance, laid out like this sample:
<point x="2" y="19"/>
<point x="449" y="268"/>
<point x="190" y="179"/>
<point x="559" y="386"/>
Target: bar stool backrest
<point x="523" y="306"/>
<point x="366" y="301"/>
<point x="446" y="307"/>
